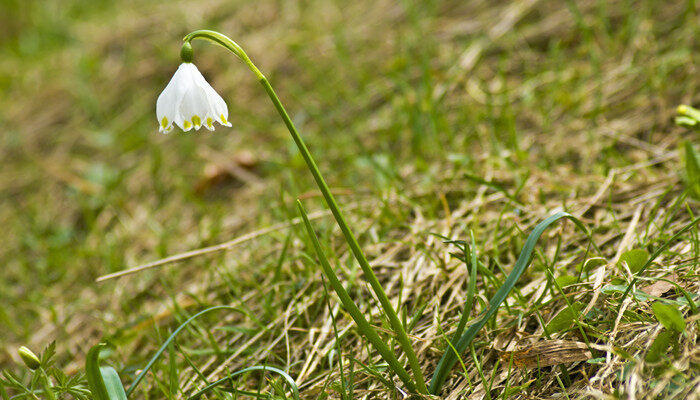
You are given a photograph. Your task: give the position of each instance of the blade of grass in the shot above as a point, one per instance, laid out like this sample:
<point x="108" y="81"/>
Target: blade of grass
<point x="343" y="384"/>
<point x="198" y="372"/>
<point x="371" y="371"/>
<point x="292" y="383"/>
<point x="3" y="392"/>
<point x="459" y="358"/>
<point x="471" y="290"/>
<point x="165" y="345"/>
<point x="172" y="370"/>
<point x="493" y="185"/>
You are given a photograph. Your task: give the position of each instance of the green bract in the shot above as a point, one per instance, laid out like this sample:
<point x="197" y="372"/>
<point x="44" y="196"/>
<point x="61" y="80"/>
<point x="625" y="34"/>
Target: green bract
<point x="186" y="53"/>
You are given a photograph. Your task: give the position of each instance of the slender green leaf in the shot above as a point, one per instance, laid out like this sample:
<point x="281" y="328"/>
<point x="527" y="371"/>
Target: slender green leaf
<point x="362" y="325"/>
<point x="685" y="300"/>
<point x="114" y="386"/>
<point x="94" y="375"/>
<point x="343" y="384"/>
<point x="104" y="381"/>
<point x="449" y="358"/>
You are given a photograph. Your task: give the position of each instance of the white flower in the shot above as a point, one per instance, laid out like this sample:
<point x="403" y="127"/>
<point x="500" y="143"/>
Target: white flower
<point x="189" y="101"/>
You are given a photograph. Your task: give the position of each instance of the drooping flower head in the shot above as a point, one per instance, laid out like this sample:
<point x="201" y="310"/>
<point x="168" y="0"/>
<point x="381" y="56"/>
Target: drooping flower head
<point x="189" y="101"/>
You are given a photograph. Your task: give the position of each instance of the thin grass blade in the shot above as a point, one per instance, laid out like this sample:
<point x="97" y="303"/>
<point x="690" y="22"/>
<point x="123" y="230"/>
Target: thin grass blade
<point x="165" y="345"/>
<point x="471" y="290"/>
<point x="292" y="383"/>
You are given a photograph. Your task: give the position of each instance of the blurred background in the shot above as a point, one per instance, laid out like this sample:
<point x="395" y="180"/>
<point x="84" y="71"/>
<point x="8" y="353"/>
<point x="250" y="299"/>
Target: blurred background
<point x="394" y="98"/>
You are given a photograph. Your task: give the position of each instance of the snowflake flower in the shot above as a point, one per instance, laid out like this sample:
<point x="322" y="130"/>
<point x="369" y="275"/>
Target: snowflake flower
<point x="190" y="102"/>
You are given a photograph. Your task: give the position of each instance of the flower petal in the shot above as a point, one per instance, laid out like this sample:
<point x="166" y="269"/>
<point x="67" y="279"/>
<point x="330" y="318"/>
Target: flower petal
<point x="217" y="110"/>
<point x="169" y="100"/>
<point x="194" y="106"/>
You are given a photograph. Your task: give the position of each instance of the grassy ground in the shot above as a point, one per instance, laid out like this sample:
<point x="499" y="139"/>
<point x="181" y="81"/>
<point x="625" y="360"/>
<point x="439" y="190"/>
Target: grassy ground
<point x="438" y="118"/>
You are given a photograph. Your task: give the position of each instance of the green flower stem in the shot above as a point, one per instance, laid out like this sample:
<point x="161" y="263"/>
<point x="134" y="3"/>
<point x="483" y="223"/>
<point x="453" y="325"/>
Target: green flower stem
<point x="46" y="383"/>
<point x="396" y="324"/>
<point x="362" y="325"/>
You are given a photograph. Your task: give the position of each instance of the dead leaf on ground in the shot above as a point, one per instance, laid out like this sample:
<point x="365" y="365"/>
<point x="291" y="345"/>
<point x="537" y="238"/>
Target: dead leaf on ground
<point x="238" y="169"/>
<point x="547" y="353"/>
<point x="660" y="287"/>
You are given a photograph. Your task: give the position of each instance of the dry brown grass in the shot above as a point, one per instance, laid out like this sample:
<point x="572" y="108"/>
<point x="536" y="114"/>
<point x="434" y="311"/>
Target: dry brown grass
<point x="590" y="107"/>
